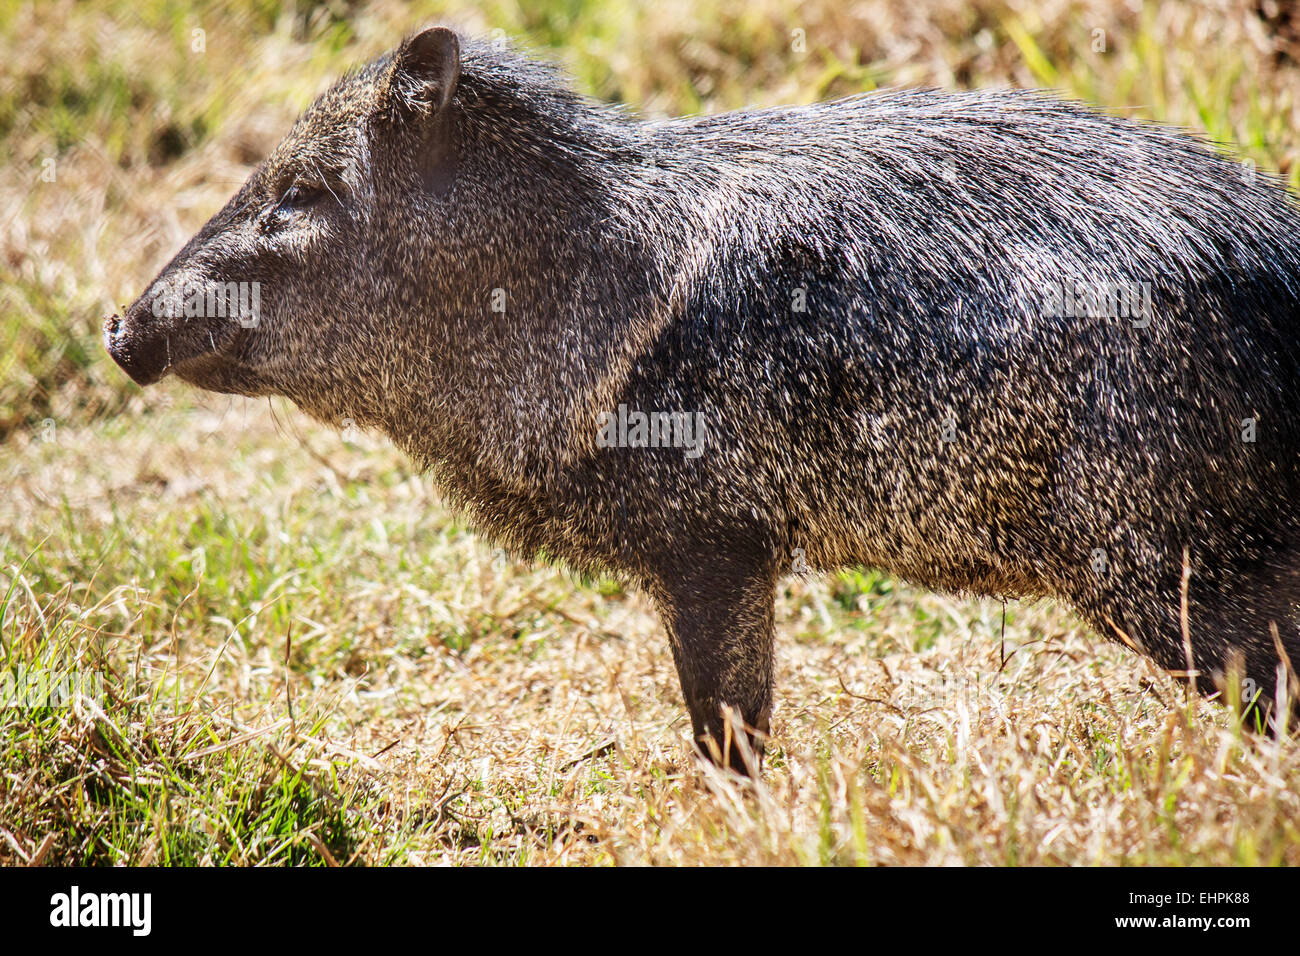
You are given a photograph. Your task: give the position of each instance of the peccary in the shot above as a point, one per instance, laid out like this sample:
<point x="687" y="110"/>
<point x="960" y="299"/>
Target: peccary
<point x="990" y="342"/>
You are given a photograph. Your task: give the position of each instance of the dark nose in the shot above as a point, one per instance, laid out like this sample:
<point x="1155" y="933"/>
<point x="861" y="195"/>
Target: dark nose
<point x="138" y="344"/>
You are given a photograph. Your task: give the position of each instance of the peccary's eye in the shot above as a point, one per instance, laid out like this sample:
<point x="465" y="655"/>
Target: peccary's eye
<point x="299" y="198"/>
<point x="301" y="195"/>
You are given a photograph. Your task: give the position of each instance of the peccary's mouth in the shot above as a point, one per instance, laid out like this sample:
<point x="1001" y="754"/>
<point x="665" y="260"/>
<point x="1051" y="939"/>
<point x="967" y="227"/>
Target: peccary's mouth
<point x="148" y="350"/>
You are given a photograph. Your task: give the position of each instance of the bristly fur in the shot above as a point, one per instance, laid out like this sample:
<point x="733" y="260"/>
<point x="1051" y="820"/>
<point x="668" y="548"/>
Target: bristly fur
<point x="851" y="295"/>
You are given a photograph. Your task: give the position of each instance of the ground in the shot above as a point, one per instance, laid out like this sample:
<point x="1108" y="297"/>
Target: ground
<point x="295" y="654"/>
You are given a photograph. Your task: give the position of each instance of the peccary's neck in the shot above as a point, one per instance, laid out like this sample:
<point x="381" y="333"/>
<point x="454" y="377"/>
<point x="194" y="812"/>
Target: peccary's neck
<point x="543" y="291"/>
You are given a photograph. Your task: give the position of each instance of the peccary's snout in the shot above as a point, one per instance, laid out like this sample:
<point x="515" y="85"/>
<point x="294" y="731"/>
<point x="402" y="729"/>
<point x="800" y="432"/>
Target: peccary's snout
<point x="177" y="321"/>
<point x="138" y="344"/>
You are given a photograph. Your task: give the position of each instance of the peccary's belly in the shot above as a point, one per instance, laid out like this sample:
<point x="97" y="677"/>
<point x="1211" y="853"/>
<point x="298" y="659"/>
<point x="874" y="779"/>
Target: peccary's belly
<point x="995" y="451"/>
<point x="961" y="503"/>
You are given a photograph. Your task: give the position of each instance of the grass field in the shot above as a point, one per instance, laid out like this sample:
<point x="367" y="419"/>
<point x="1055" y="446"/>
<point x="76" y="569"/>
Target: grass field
<point x="296" y="655"/>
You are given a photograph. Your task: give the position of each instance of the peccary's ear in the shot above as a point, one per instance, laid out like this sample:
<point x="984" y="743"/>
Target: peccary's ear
<point x="418" y="91"/>
<point x="424" y="73"/>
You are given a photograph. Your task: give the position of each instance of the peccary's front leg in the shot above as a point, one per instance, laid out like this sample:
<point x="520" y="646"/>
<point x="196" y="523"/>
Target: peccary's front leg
<point x="719" y="618"/>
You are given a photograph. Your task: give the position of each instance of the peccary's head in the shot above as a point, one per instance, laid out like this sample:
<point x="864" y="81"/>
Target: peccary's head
<point x="287" y="289"/>
<point x="404" y="258"/>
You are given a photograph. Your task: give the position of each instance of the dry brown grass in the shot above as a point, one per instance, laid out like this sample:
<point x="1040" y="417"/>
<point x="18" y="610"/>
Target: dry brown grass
<point x="464" y="711"/>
